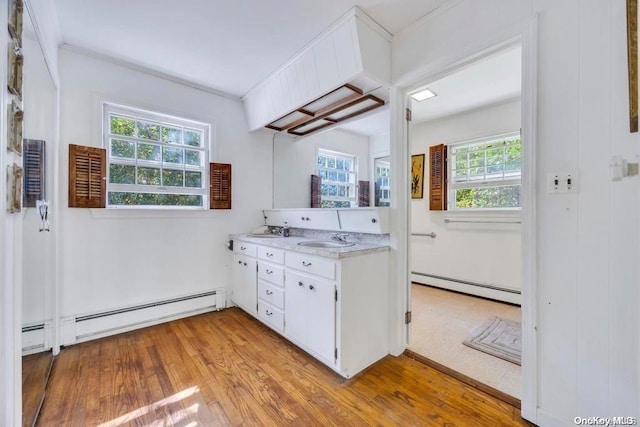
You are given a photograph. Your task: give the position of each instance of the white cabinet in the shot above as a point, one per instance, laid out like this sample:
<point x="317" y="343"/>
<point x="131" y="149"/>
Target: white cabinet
<point x="243" y="292"/>
<point x="311" y="315"/>
<point x="335" y="309"/>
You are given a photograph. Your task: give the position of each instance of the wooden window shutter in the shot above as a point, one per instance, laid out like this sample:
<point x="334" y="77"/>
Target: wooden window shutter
<point x="87" y="177"/>
<point x="438" y="178"/>
<point x="316" y="191"/>
<point x="219" y="186"/>
<point x="363" y="193"/>
<point x="34" y="172"/>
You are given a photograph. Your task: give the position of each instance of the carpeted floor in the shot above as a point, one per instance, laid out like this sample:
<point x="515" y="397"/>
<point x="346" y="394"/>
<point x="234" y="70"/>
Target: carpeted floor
<point x="441" y="320"/>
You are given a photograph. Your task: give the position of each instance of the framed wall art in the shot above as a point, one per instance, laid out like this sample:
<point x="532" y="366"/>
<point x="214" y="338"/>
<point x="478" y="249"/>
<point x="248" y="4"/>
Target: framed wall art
<point x="14" y="128"/>
<point x="16" y="9"/>
<point x="14" y="188"/>
<point x="417" y="176"/>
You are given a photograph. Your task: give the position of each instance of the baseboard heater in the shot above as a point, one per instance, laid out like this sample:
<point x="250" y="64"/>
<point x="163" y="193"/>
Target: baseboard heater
<point x="35" y="338"/>
<point x="77" y="329"/>
<point x="467" y="282"/>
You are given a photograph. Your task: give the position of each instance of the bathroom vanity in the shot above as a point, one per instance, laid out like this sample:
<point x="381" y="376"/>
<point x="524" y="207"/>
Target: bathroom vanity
<point x="330" y="301"/>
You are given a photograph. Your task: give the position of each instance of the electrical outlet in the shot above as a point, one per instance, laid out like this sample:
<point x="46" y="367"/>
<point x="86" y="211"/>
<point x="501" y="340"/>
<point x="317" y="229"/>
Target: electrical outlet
<point x="562" y="182"/>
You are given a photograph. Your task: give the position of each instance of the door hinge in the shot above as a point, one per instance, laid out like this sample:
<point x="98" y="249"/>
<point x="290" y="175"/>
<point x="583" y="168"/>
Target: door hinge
<point x="407" y="114"/>
<point x="336" y="295"/>
<point x="335" y="353"/>
<point x="407" y="318"/>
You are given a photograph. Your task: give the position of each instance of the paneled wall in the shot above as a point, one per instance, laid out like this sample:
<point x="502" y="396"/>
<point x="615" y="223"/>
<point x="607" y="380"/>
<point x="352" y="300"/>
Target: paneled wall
<point x="588" y="243"/>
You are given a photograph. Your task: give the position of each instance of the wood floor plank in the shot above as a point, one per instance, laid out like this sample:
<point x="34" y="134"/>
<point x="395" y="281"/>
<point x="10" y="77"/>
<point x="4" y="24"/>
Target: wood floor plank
<point x="226" y="368"/>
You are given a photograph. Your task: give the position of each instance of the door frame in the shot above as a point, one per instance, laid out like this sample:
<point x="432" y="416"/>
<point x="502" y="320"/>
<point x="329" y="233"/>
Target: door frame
<point x="527" y="35"/>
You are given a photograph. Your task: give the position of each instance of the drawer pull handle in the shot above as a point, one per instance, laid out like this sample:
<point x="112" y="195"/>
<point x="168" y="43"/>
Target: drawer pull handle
<point x="269" y="292"/>
<point x="240" y="262"/>
<point x="245" y="263"/>
<point x="243" y="248"/>
<point x="269" y="255"/>
<point x="311" y="287"/>
<point x="300" y="284"/>
<point x="269" y="272"/>
<point x="306" y="264"/>
<point x="269" y="313"/>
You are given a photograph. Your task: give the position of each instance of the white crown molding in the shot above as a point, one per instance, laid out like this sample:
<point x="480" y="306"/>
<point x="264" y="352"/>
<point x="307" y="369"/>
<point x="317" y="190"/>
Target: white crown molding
<point x="146" y="70"/>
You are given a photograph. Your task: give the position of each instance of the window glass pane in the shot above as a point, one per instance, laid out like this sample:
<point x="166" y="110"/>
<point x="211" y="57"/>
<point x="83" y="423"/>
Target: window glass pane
<point x="331" y="162"/>
<point x="194" y="158"/>
<point x="172" y="135"/>
<point x="172" y="155"/>
<point x="332" y="176"/>
<point x="488" y="197"/>
<point x="148" y="152"/>
<point x="348" y="165"/>
<point x="340" y="164"/>
<point x="343" y="177"/>
<point x="148" y="130"/>
<point x="193" y="137"/>
<point x="122" y="174"/>
<point x="193" y="179"/>
<point x="172" y="178"/>
<point x="123" y="149"/>
<point x="148" y="176"/>
<point x="146" y="199"/>
<point x="322" y="161"/>
<point x="123" y="126"/>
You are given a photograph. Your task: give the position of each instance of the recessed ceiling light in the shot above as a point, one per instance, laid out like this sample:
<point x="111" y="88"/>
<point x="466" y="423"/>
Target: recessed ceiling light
<point x="423" y="94"/>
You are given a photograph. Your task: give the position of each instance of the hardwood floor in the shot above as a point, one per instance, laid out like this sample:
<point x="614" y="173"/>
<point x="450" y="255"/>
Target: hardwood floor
<point x="35" y="370"/>
<point x="225" y="368"/>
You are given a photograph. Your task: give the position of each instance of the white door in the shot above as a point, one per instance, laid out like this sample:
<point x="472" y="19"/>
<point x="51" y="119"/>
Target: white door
<point x="295" y="307"/>
<point x="321" y="314"/>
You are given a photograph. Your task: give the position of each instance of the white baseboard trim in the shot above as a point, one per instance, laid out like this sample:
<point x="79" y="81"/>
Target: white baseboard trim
<point x="86" y="327"/>
<point x="547" y="420"/>
<point x="485" y="292"/>
<point x="36" y="338"/>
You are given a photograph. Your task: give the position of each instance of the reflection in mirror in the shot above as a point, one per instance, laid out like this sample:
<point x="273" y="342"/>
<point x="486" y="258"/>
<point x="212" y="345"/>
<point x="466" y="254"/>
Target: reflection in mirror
<point x="37" y="278"/>
<point x="343" y="157"/>
<point x="382" y="170"/>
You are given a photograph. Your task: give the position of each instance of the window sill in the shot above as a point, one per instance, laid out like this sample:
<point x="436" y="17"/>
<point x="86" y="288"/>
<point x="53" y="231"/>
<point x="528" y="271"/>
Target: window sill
<point x="110" y="213"/>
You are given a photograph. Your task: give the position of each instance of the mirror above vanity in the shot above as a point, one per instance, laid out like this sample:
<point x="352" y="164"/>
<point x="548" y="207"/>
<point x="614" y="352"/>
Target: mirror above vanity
<point x="344" y="157"/>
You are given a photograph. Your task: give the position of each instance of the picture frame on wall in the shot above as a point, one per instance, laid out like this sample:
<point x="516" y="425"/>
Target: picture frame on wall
<point x="16" y="10"/>
<point x="14" y="73"/>
<point x="417" y="176"/>
<point x="14" y="128"/>
<point x="14" y="188"/>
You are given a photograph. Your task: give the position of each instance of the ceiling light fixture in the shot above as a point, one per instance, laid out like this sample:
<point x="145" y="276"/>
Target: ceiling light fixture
<point x="423" y="94"/>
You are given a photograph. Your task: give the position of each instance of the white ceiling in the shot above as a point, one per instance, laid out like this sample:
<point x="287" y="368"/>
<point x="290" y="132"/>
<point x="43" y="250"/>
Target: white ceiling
<point x="486" y="82"/>
<point x="228" y="46"/>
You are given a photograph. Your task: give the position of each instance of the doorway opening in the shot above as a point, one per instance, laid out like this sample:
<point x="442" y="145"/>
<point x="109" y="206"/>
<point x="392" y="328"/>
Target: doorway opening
<point x="466" y="227"/>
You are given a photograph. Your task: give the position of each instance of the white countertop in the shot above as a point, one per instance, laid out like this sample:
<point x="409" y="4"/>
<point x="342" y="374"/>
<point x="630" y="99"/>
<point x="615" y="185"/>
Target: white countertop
<point x="291" y="244"/>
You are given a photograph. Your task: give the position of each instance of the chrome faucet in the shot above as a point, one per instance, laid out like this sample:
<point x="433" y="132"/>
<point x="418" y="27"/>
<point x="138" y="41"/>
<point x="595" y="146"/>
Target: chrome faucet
<point x="339" y="237"/>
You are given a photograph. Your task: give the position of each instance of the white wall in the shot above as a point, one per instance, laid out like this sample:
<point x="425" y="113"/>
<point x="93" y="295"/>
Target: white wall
<point x="111" y="259"/>
<point x="482" y="253"/>
<point x="295" y="161"/>
<point x="588" y="243"/>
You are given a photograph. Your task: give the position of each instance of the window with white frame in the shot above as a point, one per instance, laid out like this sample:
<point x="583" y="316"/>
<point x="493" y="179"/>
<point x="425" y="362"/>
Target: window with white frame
<point x="339" y="178"/>
<point x="485" y="173"/>
<point x="155" y="160"/>
<point x="382" y="167"/>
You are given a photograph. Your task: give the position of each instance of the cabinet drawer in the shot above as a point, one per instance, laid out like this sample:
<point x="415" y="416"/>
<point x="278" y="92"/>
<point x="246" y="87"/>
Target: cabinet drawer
<point x="271" y="294"/>
<point x="272" y="255"/>
<point x="311" y="265"/>
<point x="245" y="248"/>
<point x="271" y="315"/>
<point x="271" y="273"/>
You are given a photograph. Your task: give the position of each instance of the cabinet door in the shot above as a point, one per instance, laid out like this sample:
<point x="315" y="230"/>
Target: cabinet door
<point x="321" y="313"/>
<point x="295" y="308"/>
<point x="244" y="283"/>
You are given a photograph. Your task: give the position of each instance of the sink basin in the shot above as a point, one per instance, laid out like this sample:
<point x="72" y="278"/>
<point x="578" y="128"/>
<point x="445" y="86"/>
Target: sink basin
<point x="325" y="244"/>
<point x="263" y="235"/>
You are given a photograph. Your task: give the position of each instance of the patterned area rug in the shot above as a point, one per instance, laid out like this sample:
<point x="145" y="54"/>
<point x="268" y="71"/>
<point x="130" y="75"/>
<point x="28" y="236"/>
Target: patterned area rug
<point x="498" y="337"/>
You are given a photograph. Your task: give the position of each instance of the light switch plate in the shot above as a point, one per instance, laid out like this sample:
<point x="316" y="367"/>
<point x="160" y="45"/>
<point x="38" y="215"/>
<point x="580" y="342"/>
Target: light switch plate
<point x="562" y="182"/>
